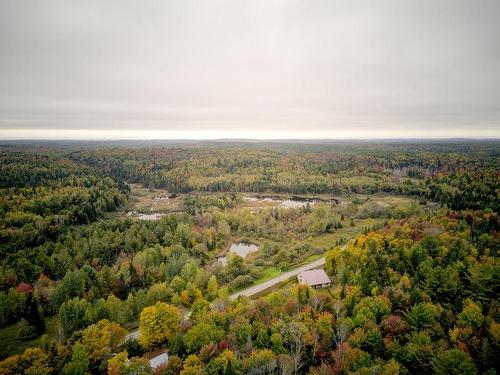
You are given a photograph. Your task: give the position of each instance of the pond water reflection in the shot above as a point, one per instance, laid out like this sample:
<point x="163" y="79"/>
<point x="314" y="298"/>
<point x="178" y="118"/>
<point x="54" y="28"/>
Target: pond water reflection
<point x="297" y="203"/>
<point x="153" y="217"/>
<point x="240" y="248"/>
<point x="243" y="249"/>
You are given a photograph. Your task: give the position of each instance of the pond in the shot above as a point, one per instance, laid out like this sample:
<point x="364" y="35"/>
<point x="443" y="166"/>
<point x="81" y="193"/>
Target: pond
<point x="240" y="248"/>
<point x="153" y="217"/>
<point x="293" y="202"/>
<point x="297" y="203"/>
<point x="243" y="249"/>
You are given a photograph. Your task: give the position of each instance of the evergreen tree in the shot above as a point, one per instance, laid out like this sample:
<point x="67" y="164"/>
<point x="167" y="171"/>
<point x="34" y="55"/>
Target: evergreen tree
<point x="33" y="315"/>
<point x="229" y="368"/>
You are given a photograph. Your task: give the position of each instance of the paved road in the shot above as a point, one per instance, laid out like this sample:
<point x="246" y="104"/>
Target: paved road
<point x="253" y="290"/>
<point x="256" y="289"/>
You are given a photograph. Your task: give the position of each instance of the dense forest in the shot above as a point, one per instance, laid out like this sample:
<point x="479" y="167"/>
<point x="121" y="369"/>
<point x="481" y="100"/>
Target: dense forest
<point x="463" y="177"/>
<point x="409" y="232"/>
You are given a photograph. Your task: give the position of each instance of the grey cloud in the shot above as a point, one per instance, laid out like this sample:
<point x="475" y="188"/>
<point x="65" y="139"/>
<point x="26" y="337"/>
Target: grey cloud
<point x="301" y="65"/>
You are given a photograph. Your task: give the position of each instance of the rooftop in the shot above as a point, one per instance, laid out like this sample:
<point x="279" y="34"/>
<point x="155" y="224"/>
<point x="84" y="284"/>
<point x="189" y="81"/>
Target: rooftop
<point x="315" y="277"/>
<point x="158" y="360"/>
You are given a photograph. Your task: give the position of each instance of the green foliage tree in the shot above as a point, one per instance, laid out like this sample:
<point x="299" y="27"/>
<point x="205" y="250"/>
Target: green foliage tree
<point x="79" y="364"/>
<point x="200" y="335"/>
<point x="453" y="361"/>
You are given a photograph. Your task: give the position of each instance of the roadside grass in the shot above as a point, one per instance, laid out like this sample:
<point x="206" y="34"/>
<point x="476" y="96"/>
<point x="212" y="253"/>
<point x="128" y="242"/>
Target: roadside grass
<point x="10" y="342"/>
<point x="283" y="285"/>
<point x="311" y="258"/>
<point x="268" y="274"/>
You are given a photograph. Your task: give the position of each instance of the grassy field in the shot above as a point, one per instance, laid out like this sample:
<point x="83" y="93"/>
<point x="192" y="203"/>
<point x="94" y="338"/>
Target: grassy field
<point x="327" y="241"/>
<point x="11" y="344"/>
<point x="152" y="200"/>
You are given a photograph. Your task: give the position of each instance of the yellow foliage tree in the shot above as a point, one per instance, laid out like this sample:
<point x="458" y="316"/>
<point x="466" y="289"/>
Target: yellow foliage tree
<point x="101" y="339"/>
<point x="192" y="366"/>
<point x="34" y="361"/>
<point x="158" y="323"/>
<point x="9" y="365"/>
<point x="120" y="364"/>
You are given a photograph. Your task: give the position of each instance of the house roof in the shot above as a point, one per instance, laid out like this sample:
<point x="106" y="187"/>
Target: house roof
<point x="315" y="277"/>
<point x="158" y="360"/>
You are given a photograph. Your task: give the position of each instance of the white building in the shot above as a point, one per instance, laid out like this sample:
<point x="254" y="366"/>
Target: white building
<point x="158" y="361"/>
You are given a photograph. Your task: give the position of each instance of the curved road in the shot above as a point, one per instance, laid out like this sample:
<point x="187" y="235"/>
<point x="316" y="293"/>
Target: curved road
<point x="256" y="289"/>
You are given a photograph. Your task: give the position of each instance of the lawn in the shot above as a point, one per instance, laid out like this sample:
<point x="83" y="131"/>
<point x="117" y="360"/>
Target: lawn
<point x="311" y="258"/>
<point x="11" y="344"/>
<point x="268" y="274"/>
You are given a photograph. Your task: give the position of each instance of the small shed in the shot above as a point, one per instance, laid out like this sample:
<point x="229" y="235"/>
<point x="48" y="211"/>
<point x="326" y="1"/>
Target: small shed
<point x="158" y="361"/>
<point x="314" y="278"/>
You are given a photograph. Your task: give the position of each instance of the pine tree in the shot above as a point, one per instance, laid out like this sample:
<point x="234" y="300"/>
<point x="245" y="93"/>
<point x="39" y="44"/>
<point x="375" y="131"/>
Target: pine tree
<point x="135" y="279"/>
<point x="229" y="368"/>
<point x="33" y="314"/>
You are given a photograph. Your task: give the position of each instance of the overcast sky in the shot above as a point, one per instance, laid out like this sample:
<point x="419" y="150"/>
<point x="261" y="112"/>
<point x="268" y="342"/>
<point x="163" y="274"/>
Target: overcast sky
<point x="257" y="69"/>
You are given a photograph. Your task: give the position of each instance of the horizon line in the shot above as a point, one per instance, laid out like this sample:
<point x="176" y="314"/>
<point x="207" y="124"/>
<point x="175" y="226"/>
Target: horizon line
<point x="484" y="138"/>
<point x="244" y="133"/>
